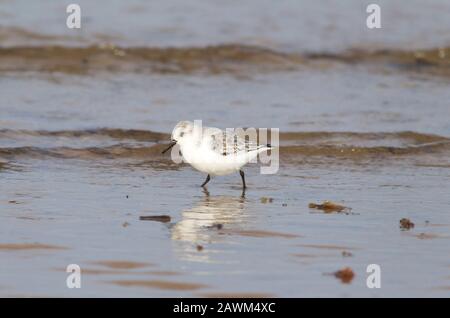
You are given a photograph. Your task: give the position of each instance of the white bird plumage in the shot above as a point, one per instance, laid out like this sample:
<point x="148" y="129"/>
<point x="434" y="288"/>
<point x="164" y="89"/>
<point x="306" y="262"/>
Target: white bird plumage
<point x="214" y="151"/>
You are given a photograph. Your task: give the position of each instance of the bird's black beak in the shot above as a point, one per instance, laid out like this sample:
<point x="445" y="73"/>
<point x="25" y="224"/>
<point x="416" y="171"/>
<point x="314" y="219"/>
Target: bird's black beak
<point x="172" y="143"/>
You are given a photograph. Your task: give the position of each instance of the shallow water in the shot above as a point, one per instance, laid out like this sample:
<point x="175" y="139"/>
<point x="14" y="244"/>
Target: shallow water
<point x="81" y="141"/>
<point x="328" y="25"/>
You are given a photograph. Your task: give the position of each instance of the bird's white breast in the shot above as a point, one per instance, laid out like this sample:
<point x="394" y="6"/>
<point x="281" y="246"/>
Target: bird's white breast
<point x="202" y="158"/>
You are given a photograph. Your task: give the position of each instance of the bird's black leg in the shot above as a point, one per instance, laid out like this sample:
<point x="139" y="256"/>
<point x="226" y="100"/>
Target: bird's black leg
<point x="243" y="178"/>
<point x="206" y="181"/>
<point x="243" y="193"/>
<point x="206" y="192"/>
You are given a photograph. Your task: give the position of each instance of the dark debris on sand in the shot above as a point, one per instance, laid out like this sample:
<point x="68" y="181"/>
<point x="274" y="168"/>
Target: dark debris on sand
<point x="346" y="254"/>
<point x="346" y="275"/>
<point x="266" y="200"/>
<point x="330" y="207"/>
<point x="406" y="224"/>
<point x="217" y="226"/>
<point x="156" y="218"/>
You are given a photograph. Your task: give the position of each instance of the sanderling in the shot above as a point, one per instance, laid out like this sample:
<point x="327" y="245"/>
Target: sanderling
<point x="213" y="151"/>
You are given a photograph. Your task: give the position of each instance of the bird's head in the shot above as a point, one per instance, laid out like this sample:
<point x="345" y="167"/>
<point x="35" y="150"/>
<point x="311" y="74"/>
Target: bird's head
<point x="179" y="133"/>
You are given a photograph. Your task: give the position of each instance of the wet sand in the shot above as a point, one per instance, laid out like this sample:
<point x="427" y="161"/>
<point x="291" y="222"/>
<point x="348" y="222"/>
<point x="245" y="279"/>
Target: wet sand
<point x="364" y="145"/>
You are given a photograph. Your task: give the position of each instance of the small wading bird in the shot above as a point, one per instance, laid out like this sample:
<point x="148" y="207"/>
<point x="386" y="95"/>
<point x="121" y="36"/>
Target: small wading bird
<point x="213" y="151"/>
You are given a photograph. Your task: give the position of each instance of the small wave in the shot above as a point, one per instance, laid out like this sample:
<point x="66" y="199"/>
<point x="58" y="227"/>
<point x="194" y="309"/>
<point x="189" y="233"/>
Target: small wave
<point x="354" y="152"/>
<point x="402" y="137"/>
<point x="148" y="135"/>
<point x="292" y="144"/>
<point x="227" y="58"/>
<point x="120" y="134"/>
<point x="211" y="59"/>
<point x="112" y="152"/>
<point x="414" y="58"/>
<point x="119" y="151"/>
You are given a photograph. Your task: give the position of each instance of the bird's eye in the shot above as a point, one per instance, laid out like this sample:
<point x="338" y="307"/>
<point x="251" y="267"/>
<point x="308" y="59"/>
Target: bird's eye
<point x="181" y="134"/>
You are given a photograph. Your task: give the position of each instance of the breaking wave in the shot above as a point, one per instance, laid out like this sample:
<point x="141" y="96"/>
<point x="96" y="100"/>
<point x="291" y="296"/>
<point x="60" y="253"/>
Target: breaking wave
<point x="227" y="58"/>
<point x="143" y="144"/>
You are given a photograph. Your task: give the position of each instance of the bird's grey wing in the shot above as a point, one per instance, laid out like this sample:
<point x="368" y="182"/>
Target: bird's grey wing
<point x="228" y="143"/>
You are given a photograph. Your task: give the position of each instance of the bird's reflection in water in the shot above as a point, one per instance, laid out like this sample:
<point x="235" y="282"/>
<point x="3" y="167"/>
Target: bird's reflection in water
<point x="200" y="225"/>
